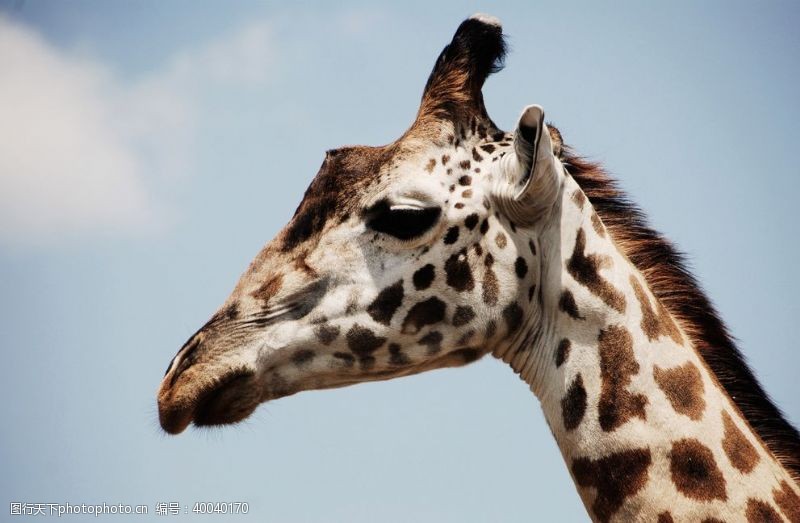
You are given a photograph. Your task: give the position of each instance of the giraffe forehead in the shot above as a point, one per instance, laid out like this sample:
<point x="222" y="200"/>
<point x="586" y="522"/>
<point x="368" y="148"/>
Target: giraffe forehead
<point x="353" y="175"/>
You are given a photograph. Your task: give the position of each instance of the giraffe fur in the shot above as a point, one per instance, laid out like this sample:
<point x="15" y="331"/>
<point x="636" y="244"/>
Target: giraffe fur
<point x="460" y="240"/>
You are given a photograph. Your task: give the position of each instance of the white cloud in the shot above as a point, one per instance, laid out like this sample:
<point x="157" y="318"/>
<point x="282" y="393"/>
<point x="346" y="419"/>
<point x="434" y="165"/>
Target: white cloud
<point x="81" y="151"/>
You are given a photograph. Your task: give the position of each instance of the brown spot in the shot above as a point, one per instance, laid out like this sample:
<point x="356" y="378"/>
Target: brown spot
<point x="464" y="165"/>
<point x="579" y="198"/>
<point x="303" y="356"/>
<point x="362" y="341"/>
<point x="573" y="404"/>
<point x="452" y="235"/>
<point x="513" y="315"/>
<point x="397" y="356"/>
<point x="615" y="477"/>
<point x="467" y="194"/>
<point x="520" y="267"/>
<point x="430" y="165"/>
<point x="476" y="155"/>
<point x="585" y="269"/>
<point x="465" y="180"/>
<point x="683" y="387"/>
<point x="484" y="226"/>
<point x="489" y="148"/>
<point x="618" y="364"/>
<point x="387" y="302"/>
<point x="463" y="315"/>
<point x="445" y="159"/>
<point x="490" y="286"/>
<point x="694" y="471"/>
<point x="459" y="205"/>
<point x="788" y="501"/>
<point x="598" y="225"/>
<point x="471" y="221"/>
<point x="758" y="511"/>
<point x="432" y="340"/>
<point x="268" y="289"/>
<point x="741" y="453"/>
<point x="713" y="520"/>
<point x="655" y="325"/>
<point x="423" y="277"/>
<point x="345" y="357"/>
<point x="428" y="312"/>
<point x="562" y="351"/>
<point x="567" y="304"/>
<point x="532" y="247"/>
<point x="458" y="273"/>
<point x="326" y="333"/>
<point x="500" y="240"/>
<point x="665" y="517"/>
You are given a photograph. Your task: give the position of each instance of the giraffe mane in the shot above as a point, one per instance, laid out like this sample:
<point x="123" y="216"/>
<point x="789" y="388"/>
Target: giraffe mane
<point x="664" y="268"/>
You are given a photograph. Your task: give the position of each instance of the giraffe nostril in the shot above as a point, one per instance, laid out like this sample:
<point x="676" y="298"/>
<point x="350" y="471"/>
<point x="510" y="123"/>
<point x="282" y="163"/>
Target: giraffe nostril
<point x="184" y="359"/>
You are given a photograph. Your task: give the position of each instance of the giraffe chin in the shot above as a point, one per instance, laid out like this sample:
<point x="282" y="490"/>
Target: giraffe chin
<point x="228" y="400"/>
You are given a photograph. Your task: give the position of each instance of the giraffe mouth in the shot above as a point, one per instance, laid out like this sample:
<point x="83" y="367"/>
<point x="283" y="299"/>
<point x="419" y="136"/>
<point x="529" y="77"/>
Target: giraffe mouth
<point x="226" y="400"/>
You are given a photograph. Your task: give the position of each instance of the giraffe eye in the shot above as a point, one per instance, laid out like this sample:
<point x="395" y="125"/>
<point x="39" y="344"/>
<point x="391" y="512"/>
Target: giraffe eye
<point x="402" y="221"/>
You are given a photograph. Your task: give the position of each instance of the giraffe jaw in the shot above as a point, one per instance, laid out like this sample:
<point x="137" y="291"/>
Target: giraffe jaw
<point x="228" y="399"/>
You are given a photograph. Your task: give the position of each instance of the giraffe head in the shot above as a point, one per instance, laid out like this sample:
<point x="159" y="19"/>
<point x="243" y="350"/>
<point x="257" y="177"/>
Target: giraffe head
<point x="400" y="259"/>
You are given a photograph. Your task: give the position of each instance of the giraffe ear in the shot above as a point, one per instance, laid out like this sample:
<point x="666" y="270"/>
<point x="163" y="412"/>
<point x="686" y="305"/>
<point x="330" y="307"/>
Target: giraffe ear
<point x="532" y="172"/>
<point x="453" y="90"/>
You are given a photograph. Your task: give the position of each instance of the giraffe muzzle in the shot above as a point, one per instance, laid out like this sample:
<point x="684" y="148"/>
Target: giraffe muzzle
<point x="223" y="400"/>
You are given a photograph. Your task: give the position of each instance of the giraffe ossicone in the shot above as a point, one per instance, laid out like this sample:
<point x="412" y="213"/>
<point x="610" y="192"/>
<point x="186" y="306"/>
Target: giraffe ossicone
<point x="459" y="240"/>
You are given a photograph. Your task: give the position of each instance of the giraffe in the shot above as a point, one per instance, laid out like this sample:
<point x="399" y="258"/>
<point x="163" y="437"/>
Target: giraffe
<point x="460" y="240"/>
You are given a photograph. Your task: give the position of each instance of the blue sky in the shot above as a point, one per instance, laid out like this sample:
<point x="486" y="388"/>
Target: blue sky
<point x="148" y="151"/>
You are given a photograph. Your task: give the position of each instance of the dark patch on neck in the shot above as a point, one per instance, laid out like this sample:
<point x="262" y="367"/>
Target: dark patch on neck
<point x="562" y="351"/>
<point x="618" y="365"/>
<point x="521" y="267"/>
<point x="573" y="404"/>
<point x="586" y="271"/>
<point x="655" y="325"/>
<point x="513" y="314"/>
<point x="695" y="472"/>
<point x="567" y="304"/>
<point x="683" y="387"/>
<point x="615" y="477"/>
<point x="758" y="511"/>
<point x="741" y="453"/>
<point x="673" y="285"/>
<point x="788" y="501"/>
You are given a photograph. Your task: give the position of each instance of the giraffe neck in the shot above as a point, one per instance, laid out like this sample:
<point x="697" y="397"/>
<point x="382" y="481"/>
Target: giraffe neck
<point x="644" y="427"/>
